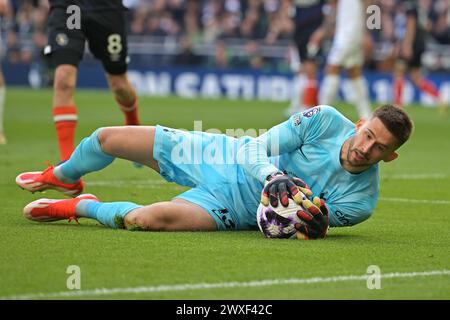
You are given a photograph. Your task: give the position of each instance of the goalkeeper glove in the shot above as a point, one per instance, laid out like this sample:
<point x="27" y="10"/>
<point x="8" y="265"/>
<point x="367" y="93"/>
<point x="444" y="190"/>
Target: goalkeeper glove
<point x="315" y="220"/>
<point x="280" y="186"/>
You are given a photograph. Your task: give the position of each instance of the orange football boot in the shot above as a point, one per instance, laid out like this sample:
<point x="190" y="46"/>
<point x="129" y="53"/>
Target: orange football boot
<point x="47" y="210"/>
<point x="43" y="180"/>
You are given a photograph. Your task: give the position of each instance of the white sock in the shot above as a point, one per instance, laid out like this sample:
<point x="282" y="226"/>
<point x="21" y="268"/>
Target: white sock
<point x="361" y="97"/>
<point x="329" y="89"/>
<point x="2" y="106"/>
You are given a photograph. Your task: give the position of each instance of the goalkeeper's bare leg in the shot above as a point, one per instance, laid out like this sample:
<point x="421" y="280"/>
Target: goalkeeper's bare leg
<point x="95" y="153"/>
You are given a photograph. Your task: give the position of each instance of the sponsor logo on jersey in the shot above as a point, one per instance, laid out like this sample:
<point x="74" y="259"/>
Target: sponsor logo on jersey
<point x="310" y="113"/>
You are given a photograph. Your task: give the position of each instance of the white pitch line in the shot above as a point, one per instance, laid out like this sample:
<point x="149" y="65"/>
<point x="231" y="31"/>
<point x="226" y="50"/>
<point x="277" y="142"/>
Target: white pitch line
<point x="415" y="200"/>
<point x="158" y="183"/>
<point x="151" y="184"/>
<point x="218" y="285"/>
<point x="416" y="176"/>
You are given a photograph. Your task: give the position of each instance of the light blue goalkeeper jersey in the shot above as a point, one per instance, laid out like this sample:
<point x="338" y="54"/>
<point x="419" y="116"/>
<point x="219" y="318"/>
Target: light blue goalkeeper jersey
<point x="308" y="146"/>
<point x="227" y="174"/>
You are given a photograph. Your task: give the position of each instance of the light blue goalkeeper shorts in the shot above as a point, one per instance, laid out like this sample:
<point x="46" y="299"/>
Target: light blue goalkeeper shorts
<point x="206" y="163"/>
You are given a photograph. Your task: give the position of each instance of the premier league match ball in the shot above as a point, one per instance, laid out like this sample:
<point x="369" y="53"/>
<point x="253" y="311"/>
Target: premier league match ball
<point x="279" y="222"/>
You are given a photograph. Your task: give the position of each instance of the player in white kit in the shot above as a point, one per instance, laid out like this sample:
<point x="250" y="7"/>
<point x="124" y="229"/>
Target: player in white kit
<point x="347" y="53"/>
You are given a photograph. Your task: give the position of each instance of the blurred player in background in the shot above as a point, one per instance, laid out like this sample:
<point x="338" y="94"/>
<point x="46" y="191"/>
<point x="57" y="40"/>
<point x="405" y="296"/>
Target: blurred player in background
<point x="102" y="25"/>
<point x="410" y="35"/>
<point x="347" y="52"/>
<point x="3" y="8"/>
<point x="310" y="28"/>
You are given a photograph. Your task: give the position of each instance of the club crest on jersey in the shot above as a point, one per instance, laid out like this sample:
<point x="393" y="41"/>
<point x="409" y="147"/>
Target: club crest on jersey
<point x="297" y="120"/>
<point x="310" y="113"/>
<point x="62" y="39"/>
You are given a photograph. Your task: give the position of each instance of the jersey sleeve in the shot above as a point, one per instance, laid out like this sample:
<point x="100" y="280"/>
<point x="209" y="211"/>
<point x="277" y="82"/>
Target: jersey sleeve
<point x="286" y="137"/>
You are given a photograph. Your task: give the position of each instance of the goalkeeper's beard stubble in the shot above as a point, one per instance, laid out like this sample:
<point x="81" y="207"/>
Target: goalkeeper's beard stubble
<point x="361" y="159"/>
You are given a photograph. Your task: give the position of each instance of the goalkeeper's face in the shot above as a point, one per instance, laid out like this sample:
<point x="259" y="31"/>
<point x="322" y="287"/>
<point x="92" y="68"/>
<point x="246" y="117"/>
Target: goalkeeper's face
<point x="371" y="144"/>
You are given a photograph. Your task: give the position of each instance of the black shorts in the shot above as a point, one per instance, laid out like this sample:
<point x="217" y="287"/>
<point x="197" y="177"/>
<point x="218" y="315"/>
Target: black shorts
<point x="418" y="48"/>
<point x="301" y="39"/>
<point x="105" y="32"/>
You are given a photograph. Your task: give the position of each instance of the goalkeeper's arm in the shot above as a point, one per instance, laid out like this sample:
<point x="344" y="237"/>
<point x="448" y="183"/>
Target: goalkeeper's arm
<point x="254" y="157"/>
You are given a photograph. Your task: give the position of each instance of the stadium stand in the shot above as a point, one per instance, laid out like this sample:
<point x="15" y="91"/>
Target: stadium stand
<point x="224" y="33"/>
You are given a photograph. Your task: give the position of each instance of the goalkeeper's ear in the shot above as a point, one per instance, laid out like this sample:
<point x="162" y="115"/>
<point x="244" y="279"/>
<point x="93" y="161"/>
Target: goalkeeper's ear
<point x="391" y="156"/>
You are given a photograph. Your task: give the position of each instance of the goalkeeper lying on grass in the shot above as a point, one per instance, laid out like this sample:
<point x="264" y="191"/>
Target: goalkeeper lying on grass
<point x="337" y="160"/>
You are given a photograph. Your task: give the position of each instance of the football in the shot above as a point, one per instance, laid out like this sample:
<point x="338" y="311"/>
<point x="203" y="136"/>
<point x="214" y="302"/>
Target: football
<point x="278" y="222"/>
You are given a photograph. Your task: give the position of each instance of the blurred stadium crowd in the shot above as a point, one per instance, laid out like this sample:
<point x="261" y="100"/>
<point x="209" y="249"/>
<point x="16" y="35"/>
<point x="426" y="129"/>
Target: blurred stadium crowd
<point x="225" y="33"/>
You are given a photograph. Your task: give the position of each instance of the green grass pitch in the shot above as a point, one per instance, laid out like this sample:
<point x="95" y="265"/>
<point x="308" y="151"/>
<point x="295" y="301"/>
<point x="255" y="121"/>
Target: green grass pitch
<point x="407" y="234"/>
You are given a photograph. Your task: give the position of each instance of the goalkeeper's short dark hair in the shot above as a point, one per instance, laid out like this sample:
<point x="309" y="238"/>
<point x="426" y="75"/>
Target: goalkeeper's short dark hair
<point x="396" y="120"/>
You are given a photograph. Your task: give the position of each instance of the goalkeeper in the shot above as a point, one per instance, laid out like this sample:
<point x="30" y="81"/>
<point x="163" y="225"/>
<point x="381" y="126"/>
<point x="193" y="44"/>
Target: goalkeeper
<point x="337" y="160"/>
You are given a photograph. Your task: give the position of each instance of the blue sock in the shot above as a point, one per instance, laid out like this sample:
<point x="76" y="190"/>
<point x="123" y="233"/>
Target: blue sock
<point x="105" y="213"/>
<point x="87" y="157"/>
